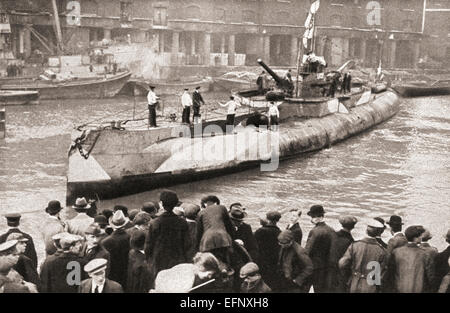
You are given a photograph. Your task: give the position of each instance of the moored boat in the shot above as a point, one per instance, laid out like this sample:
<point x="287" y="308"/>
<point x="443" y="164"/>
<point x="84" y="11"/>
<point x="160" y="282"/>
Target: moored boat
<point x="422" y="89"/>
<point x="106" y="86"/>
<point x="18" y="97"/>
<point x="140" y="87"/>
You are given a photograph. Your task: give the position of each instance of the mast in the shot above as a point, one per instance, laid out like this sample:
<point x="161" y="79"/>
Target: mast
<point x="58" y="26"/>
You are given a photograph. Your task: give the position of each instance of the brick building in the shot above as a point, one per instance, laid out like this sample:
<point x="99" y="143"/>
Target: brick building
<point x="227" y="32"/>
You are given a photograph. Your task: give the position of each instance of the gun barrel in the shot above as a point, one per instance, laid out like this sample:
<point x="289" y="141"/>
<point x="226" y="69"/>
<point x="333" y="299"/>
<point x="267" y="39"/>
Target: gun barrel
<point x="271" y="73"/>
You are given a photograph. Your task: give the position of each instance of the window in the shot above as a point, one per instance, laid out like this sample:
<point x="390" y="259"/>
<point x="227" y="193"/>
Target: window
<point x="125" y="11"/>
<point x="160" y="16"/>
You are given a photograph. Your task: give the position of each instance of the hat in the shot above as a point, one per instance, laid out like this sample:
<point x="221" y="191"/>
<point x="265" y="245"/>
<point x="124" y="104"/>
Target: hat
<point x="7" y="245"/>
<point x="53" y="207"/>
<point x="273" y="216"/>
<point x="237" y="214"/>
<point x="149" y="207"/>
<point x="413" y="232"/>
<point x="81" y="204"/>
<point x="17" y="236"/>
<point x="316" y="210"/>
<point x="395" y="220"/>
<point x="190" y="210"/>
<point x="118" y="220"/>
<point x="122" y="208"/>
<point x="68" y="240"/>
<point x="152" y="87"/>
<point x="381" y="220"/>
<point x="93" y="229"/>
<point x="186" y="89"/>
<point x="374" y="224"/>
<point x="13" y="218"/>
<point x="142" y="218"/>
<point x="101" y="220"/>
<point x="348" y="220"/>
<point x="198" y="87"/>
<point x="6" y="263"/>
<point x="95" y="266"/>
<point x="249" y="269"/>
<point x="133" y="214"/>
<point x="178" y="211"/>
<point x="426" y="235"/>
<point x="447" y="237"/>
<point x="285" y="236"/>
<point x="178" y="279"/>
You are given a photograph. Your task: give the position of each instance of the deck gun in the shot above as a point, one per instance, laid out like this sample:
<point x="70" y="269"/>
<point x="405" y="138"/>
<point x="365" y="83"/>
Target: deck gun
<point x="285" y="86"/>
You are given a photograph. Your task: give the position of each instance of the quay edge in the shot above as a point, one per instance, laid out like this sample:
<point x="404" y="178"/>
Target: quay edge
<point x="124" y="162"/>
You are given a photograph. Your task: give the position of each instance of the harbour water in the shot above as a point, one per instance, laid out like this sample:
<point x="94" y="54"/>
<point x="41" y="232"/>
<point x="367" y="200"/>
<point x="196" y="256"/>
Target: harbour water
<point x="400" y="167"/>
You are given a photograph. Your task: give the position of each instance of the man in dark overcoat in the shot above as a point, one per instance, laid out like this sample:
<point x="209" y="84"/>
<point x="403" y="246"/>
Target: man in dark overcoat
<point x="118" y="246"/>
<point x="97" y="281"/>
<point x="441" y="262"/>
<point x="92" y="249"/>
<point x="243" y="230"/>
<point x="13" y="221"/>
<point x="197" y="101"/>
<point x="318" y="246"/>
<point x="294" y="225"/>
<point x="167" y="241"/>
<point x="139" y="277"/>
<point x="269" y="249"/>
<point x="56" y="270"/>
<point x="398" y="238"/>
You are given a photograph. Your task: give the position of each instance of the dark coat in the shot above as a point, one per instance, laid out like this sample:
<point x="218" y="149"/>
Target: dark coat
<point x="318" y="247"/>
<point x="54" y="273"/>
<point x="193" y="247"/>
<point x="260" y="287"/>
<point x="118" y="246"/>
<point x="445" y="284"/>
<point x="139" y="277"/>
<point x="245" y="233"/>
<point x="167" y="242"/>
<point x="215" y="229"/>
<point x="97" y="252"/>
<point x="8" y="286"/>
<point x="24" y="267"/>
<point x="294" y="269"/>
<point x="30" y="251"/>
<point x="441" y="264"/>
<point x="397" y="241"/>
<point x="411" y="269"/>
<point x="110" y="286"/>
<point x="353" y="265"/>
<point x="381" y="242"/>
<point x="269" y="250"/>
<point x="343" y="240"/>
<point x="297" y="231"/>
<point x="197" y="99"/>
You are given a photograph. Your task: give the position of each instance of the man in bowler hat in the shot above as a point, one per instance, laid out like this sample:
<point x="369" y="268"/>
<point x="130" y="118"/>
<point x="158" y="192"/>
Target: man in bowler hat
<point x="398" y="238"/>
<point x="51" y="226"/>
<point x="13" y="221"/>
<point x="318" y="246"/>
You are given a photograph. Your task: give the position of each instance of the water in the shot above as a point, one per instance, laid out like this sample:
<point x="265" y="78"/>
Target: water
<point x="400" y="167"/>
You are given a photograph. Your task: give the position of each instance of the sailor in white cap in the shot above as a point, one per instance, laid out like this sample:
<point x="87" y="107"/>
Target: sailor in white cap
<point x="98" y="283"/>
<point x="357" y="258"/>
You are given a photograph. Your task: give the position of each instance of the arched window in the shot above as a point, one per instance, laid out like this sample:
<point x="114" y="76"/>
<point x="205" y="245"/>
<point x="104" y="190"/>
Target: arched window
<point x="193" y="12"/>
<point x="248" y="16"/>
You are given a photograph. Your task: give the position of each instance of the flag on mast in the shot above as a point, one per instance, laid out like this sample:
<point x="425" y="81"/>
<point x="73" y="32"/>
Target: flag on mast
<point x="309" y="23"/>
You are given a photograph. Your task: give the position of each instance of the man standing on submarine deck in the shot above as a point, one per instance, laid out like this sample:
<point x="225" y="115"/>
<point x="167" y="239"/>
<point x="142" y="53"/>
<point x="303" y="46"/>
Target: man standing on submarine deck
<point x="152" y="102"/>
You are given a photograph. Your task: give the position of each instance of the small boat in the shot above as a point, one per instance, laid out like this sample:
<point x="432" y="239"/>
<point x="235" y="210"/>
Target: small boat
<point x="140" y="87"/>
<point x="18" y="97"/>
<point x="422" y="89"/>
<point x="106" y="86"/>
<point x="230" y="84"/>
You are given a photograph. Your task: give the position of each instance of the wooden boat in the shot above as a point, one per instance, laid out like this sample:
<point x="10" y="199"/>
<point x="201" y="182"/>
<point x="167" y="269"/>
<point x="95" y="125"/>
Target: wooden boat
<point x="231" y="84"/>
<point x="18" y="97"/>
<point x="422" y="89"/>
<point x="93" y="87"/>
<point x="140" y="87"/>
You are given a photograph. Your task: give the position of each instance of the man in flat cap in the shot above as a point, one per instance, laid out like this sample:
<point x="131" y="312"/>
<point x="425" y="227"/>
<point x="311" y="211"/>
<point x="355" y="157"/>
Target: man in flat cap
<point x="13" y="221"/>
<point x="118" y="246"/>
<point x="354" y="265"/>
<point x="57" y="269"/>
<point x="269" y="249"/>
<point x="98" y="283"/>
<point x="398" y="238"/>
<point x="92" y="248"/>
<point x="295" y="268"/>
<point x="82" y="220"/>
<point x="252" y="280"/>
<point x="409" y="266"/>
<point x="379" y="239"/>
<point x="167" y="242"/>
<point x="343" y="240"/>
<point x="318" y="246"/>
<point x="51" y="225"/>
